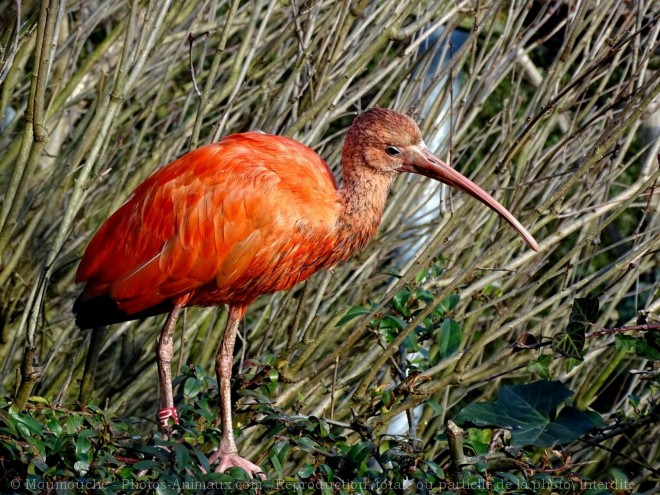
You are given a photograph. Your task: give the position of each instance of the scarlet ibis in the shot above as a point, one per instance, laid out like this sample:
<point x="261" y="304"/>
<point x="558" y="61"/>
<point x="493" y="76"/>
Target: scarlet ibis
<point x="251" y="214"/>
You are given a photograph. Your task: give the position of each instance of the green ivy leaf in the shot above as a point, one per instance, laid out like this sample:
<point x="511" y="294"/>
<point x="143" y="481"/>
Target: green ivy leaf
<point x="359" y="452"/>
<point x="652" y="348"/>
<point x="436" y="470"/>
<point x="390" y="321"/>
<point x="280" y="450"/>
<point x="306" y="444"/>
<point x="203" y="461"/>
<point x="449" y="338"/>
<point x="40" y="465"/>
<point x="238" y="474"/>
<point x="328" y="472"/>
<point x="88" y="433"/>
<point x="23" y="430"/>
<point x="277" y="465"/>
<point x="354" y="312"/>
<point x="541" y="366"/>
<point x="508" y="481"/>
<point x="494" y="291"/>
<point x="306" y="471"/>
<point x="82" y="446"/>
<point x="400" y="302"/>
<point x="525" y="410"/>
<point x="584" y="310"/>
<point x="572" y="363"/>
<point x="424" y="295"/>
<point x="192" y="387"/>
<point x="145" y="464"/>
<point x="435" y="405"/>
<point x="73" y="423"/>
<point x="182" y="455"/>
<point x="54" y="427"/>
<point x="383" y="447"/>
<point x="570" y="344"/>
<point x="420" y="276"/>
<point x="324" y="428"/>
<point x="159" y="452"/>
<point x="448" y="303"/>
<point x="26" y="425"/>
<point x="480" y="439"/>
<point x="645" y="347"/>
<point x="411" y="343"/>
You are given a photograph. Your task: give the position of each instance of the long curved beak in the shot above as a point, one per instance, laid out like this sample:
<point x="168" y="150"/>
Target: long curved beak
<point x="419" y="160"/>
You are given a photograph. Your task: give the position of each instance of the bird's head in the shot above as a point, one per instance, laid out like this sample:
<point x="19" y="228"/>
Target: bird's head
<point x="389" y="143"/>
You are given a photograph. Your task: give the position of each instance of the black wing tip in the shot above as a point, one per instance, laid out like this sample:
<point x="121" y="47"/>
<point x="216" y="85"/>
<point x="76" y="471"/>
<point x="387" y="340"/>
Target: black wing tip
<point x="97" y="312"/>
<point x="103" y="310"/>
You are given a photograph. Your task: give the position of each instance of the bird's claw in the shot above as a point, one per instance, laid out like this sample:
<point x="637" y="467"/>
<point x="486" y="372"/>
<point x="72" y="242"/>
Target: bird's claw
<point x="229" y="460"/>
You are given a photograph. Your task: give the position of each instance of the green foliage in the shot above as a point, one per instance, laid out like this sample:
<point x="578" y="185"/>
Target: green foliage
<point x="47" y="446"/>
<point x="570" y="343"/>
<point x="438" y="328"/>
<point x="449" y="338"/>
<point x="529" y="412"/>
<point x="541" y="366"/>
<point x="553" y="116"/>
<point x="646" y="347"/>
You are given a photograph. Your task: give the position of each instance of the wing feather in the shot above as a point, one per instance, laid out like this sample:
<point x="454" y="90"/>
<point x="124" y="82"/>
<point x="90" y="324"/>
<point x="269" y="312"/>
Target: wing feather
<point x="201" y="222"/>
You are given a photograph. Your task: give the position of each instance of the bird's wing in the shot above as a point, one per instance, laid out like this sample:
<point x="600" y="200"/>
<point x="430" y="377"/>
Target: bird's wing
<point x="204" y="217"/>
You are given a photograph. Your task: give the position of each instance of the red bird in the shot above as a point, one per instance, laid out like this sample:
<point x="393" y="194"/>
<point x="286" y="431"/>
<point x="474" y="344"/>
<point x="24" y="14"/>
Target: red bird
<point x="251" y="214"/>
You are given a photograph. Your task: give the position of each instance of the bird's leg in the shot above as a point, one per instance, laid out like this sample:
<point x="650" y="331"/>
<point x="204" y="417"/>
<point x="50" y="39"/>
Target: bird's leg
<point x="227" y="454"/>
<point x="165" y="353"/>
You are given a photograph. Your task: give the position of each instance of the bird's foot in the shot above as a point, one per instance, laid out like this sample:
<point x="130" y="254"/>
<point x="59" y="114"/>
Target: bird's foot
<point x="228" y="460"/>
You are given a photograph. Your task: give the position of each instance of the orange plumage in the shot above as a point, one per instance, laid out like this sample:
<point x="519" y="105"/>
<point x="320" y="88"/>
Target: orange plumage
<point x="249" y="215"/>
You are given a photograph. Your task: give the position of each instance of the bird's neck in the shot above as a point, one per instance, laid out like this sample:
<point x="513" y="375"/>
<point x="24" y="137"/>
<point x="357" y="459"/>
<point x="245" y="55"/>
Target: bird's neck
<point x="362" y="198"/>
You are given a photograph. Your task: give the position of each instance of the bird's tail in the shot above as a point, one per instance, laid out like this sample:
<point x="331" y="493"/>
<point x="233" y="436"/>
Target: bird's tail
<point x="102" y="310"/>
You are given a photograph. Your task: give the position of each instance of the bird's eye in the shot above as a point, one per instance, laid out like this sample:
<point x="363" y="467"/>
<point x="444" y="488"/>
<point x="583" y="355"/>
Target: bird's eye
<point x="392" y="151"/>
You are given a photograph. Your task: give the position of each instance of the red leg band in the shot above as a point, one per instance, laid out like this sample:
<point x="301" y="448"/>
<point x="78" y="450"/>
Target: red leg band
<point x="165" y="414"/>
